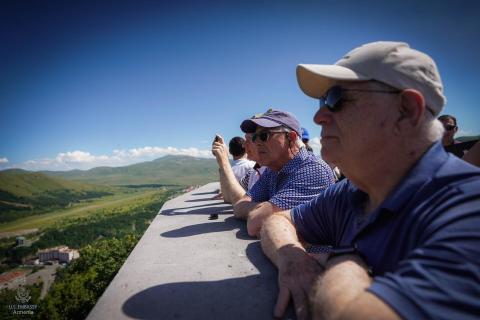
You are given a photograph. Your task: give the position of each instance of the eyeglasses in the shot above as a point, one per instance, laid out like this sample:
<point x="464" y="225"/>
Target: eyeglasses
<point x="248" y="137"/>
<point x="334" y="97"/>
<point x="265" y="135"/>
<point x="449" y="127"/>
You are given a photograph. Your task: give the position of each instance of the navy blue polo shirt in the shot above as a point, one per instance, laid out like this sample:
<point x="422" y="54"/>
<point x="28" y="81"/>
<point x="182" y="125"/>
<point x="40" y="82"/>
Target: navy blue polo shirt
<point x="422" y="242"/>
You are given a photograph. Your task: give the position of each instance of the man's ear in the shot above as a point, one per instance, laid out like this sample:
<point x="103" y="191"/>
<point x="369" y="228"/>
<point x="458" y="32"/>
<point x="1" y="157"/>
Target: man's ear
<point x="412" y="107"/>
<point x="291" y="136"/>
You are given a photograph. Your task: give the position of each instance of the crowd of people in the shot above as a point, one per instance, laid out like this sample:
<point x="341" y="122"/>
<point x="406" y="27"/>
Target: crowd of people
<point x="399" y="237"/>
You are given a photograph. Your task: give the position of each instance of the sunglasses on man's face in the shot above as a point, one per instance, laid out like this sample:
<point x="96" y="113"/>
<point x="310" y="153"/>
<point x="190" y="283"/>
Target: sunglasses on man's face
<point x="335" y="96"/>
<point x="449" y="127"/>
<point x="265" y="135"/>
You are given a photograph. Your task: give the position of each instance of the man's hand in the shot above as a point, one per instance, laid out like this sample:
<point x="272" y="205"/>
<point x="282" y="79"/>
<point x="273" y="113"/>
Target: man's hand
<point x="297" y="273"/>
<point x="220" y="151"/>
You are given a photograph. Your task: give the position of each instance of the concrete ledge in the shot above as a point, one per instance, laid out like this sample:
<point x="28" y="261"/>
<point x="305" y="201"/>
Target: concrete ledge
<point x="189" y="267"/>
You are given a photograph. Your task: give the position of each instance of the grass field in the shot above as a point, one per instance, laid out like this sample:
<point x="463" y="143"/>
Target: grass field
<point x="82" y="209"/>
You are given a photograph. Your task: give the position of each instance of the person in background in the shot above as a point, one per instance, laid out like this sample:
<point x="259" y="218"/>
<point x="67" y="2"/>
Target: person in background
<point x="401" y="234"/>
<point x="241" y="164"/>
<point x="450" y="125"/>
<point x="252" y="176"/>
<point x="305" y="139"/>
<point x="458" y="148"/>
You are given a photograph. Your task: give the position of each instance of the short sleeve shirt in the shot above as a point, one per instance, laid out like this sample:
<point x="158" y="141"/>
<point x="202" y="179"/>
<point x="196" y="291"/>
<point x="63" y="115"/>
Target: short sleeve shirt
<point x="299" y="181"/>
<point x="241" y="167"/>
<point x="422" y="242"/>
<point x="252" y="176"/>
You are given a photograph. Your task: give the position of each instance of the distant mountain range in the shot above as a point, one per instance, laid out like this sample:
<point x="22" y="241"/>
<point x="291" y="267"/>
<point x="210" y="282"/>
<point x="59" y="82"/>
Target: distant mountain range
<point x="168" y="170"/>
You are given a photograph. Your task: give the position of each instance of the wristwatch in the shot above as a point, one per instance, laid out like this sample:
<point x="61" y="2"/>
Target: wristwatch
<point x="343" y="250"/>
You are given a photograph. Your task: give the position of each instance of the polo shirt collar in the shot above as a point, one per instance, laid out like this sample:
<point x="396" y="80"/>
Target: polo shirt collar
<point x="422" y="172"/>
<point x="293" y="164"/>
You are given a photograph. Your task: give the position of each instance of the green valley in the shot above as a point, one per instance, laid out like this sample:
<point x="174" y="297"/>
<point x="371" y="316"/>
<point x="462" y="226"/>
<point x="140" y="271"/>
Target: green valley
<point x="24" y="193"/>
<point x="102" y="212"/>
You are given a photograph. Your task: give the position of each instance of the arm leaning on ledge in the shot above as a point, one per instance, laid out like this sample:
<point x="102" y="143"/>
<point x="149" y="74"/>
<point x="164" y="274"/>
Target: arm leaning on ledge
<point x="297" y="271"/>
<point x="341" y="292"/>
<point x="332" y="290"/>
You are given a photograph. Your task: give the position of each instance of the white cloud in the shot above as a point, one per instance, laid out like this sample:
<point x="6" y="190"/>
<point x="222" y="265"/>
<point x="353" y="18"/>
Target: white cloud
<point x="119" y="157"/>
<point x="85" y="160"/>
<point x="315" y="144"/>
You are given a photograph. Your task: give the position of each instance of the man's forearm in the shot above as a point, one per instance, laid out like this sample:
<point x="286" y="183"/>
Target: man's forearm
<point x="297" y="271"/>
<point x="278" y="232"/>
<point x="344" y="281"/>
<point x="231" y="188"/>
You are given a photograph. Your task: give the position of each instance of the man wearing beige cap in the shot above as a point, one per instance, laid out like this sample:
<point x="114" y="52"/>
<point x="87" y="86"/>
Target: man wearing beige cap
<point x="401" y="233"/>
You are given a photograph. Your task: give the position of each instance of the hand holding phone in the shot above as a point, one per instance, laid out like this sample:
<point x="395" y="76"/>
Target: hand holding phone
<point x="216" y="139"/>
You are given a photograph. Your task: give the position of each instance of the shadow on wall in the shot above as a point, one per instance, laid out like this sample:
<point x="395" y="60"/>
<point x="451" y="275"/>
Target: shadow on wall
<point x="204" y="193"/>
<point x="222" y="299"/>
<point x="208" y="208"/>
<point x="228" y="224"/>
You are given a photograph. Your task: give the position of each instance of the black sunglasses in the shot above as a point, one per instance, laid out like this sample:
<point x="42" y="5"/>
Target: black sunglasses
<point x="334" y="97"/>
<point x="265" y="135"/>
<point x="449" y="127"/>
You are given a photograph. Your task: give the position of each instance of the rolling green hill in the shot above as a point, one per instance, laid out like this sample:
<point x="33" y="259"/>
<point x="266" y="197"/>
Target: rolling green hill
<point x="168" y="170"/>
<point x="467" y="138"/>
<point x="24" y="193"/>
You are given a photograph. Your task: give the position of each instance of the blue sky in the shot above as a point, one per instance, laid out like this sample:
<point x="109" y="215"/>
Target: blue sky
<point x="86" y="83"/>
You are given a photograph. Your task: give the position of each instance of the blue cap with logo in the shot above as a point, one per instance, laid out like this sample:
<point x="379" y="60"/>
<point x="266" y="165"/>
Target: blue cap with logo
<point x="271" y="119"/>
<point x="305" y="135"/>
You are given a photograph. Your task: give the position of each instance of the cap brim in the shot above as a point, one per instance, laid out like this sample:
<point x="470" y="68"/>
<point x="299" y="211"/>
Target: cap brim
<point x="250" y="125"/>
<point x="316" y="79"/>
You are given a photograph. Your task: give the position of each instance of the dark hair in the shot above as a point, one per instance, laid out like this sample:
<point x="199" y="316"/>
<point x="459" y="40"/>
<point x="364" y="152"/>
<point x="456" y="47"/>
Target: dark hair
<point x="447" y="117"/>
<point x="235" y="146"/>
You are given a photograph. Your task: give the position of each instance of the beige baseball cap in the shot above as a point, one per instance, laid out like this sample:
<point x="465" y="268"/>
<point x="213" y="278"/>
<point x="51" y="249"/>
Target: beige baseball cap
<point x="393" y="63"/>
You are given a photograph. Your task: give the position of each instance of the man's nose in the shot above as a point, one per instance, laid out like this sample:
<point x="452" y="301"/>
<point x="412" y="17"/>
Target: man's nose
<point x="322" y="116"/>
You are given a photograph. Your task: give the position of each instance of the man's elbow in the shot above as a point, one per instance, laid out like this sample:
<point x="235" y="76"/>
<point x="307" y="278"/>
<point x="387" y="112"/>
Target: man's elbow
<point x="256" y="220"/>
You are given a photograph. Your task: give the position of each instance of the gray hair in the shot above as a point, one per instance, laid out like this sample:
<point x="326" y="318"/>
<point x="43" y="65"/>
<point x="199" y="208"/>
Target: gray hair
<point x="299" y="143"/>
<point x="434" y="130"/>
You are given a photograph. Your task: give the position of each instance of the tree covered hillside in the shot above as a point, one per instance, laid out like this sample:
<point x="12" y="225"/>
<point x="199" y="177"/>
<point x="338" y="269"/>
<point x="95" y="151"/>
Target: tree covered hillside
<point x="24" y="193"/>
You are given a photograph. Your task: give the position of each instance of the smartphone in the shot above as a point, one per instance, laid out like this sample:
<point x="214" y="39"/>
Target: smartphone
<point x="216" y="139"/>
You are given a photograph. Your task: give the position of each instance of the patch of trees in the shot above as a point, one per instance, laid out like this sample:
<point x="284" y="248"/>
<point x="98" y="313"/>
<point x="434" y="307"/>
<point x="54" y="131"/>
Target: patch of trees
<point x="105" y="240"/>
<point x="133" y="219"/>
<point x="77" y="287"/>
